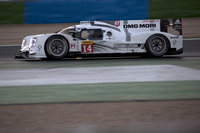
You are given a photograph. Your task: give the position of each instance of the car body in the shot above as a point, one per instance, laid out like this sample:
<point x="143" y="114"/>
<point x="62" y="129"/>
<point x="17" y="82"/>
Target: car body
<point x="107" y="37"/>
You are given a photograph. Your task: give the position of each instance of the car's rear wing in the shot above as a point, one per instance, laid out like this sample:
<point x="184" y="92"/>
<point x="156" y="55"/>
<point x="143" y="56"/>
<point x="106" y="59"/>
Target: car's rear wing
<point x="176" y="24"/>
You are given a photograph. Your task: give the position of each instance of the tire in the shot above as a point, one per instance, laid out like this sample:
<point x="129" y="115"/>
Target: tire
<point x="56" y="47"/>
<point x="157" y="45"/>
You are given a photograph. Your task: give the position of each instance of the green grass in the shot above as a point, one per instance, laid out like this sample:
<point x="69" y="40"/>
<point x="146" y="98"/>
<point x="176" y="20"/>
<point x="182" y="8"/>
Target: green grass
<point x="11" y="12"/>
<point x="167" y="90"/>
<point x="174" y="8"/>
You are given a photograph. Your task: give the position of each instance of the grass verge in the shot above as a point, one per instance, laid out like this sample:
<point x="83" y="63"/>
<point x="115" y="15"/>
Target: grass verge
<point x="11" y="12"/>
<point x="174" y="9"/>
<point x="168" y="90"/>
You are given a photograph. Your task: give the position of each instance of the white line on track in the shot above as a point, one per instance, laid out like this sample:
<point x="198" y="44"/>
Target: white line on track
<point x="191" y="39"/>
<point x="88" y="75"/>
<point x="10" y="45"/>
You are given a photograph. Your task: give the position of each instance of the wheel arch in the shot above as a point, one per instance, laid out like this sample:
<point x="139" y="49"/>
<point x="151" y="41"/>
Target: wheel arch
<point x="161" y="35"/>
<point x="56" y="35"/>
<point x="158" y="34"/>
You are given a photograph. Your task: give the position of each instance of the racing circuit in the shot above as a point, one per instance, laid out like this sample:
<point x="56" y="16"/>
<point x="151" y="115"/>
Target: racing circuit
<point x="96" y="74"/>
<point x="161" y="94"/>
<point x="99" y="94"/>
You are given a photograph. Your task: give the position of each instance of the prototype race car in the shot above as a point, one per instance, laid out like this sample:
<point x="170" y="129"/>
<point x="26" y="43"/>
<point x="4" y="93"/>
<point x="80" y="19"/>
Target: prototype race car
<point x="150" y="37"/>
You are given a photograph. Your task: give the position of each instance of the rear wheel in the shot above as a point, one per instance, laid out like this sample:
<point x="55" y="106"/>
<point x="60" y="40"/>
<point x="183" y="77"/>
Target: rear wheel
<point x="56" y="47"/>
<point x="157" y="45"/>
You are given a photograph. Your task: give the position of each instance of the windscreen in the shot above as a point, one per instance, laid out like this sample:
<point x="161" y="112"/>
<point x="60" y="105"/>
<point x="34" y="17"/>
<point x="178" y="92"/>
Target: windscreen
<point x="67" y="30"/>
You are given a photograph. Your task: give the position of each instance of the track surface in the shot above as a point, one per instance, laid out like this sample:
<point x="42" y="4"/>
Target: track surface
<point x="180" y="116"/>
<point x="191" y="49"/>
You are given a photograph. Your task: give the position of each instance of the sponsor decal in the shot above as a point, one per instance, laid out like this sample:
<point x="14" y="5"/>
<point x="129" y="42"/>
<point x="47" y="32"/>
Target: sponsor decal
<point x="117" y="23"/>
<point x="131" y="26"/>
<point x="73" y="46"/>
<point x="174" y="42"/>
<point x="147" y="25"/>
<point x="87" y="42"/>
<point x="125" y="46"/>
<point x="39" y="47"/>
<point x="173" y="37"/>
<point x="177" y="25"/>
<point x="139" y="26"/>
<point x="87" y="46"/>
<point x="177" y="21"/>
<point x="151" y="21"/>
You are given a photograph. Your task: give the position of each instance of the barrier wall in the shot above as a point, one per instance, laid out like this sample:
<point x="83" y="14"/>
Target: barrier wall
<point x="69" y="11"/>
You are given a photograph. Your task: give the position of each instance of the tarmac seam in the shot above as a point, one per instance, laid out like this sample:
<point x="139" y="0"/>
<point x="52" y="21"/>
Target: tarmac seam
<point x="91" y="102"/>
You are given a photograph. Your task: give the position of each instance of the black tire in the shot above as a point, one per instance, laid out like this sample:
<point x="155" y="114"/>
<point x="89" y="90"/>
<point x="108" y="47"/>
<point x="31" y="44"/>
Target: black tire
<point x="56" y="47"/>
<point x="157" y="45"/>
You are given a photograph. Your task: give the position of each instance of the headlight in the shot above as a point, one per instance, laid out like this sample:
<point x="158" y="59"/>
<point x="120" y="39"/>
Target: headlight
<point x="32" y="42"/>
<point x="23" y="43"/>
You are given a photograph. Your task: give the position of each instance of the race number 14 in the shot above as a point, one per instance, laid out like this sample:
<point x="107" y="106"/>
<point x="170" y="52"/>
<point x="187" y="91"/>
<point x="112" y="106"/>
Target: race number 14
<point x="87" y="46"/>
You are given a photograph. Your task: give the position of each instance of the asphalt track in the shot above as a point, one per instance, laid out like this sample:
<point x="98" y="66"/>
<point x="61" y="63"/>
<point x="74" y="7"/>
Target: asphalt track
<point x="155" y="116"/>
<point x="191" y="49"/>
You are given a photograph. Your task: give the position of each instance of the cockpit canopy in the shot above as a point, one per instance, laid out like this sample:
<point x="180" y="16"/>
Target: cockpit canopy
<point x="91" y="34"/>
<point x="84" y="34"/>
<point x="68" y="30"/>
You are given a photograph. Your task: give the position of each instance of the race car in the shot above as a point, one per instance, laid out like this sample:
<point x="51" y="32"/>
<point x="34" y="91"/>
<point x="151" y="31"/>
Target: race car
<point x="149" y="37"/>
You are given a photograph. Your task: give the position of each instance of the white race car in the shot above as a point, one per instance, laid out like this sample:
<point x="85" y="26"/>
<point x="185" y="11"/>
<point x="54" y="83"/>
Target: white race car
<point x="107" y="37"/>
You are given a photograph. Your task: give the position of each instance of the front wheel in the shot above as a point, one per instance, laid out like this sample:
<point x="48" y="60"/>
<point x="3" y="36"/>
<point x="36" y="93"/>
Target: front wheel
<point x="56" y="47"/>
<point x="157" y="45"/>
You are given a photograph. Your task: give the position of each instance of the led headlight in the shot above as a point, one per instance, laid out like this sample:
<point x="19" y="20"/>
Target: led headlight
<point x="23" y="43"/>
<point x="32" y="42"/>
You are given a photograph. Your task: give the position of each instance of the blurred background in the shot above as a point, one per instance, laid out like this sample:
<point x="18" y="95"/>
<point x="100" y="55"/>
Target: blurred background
<point x="72" y="11"/>
<point x="20" y="18"/>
